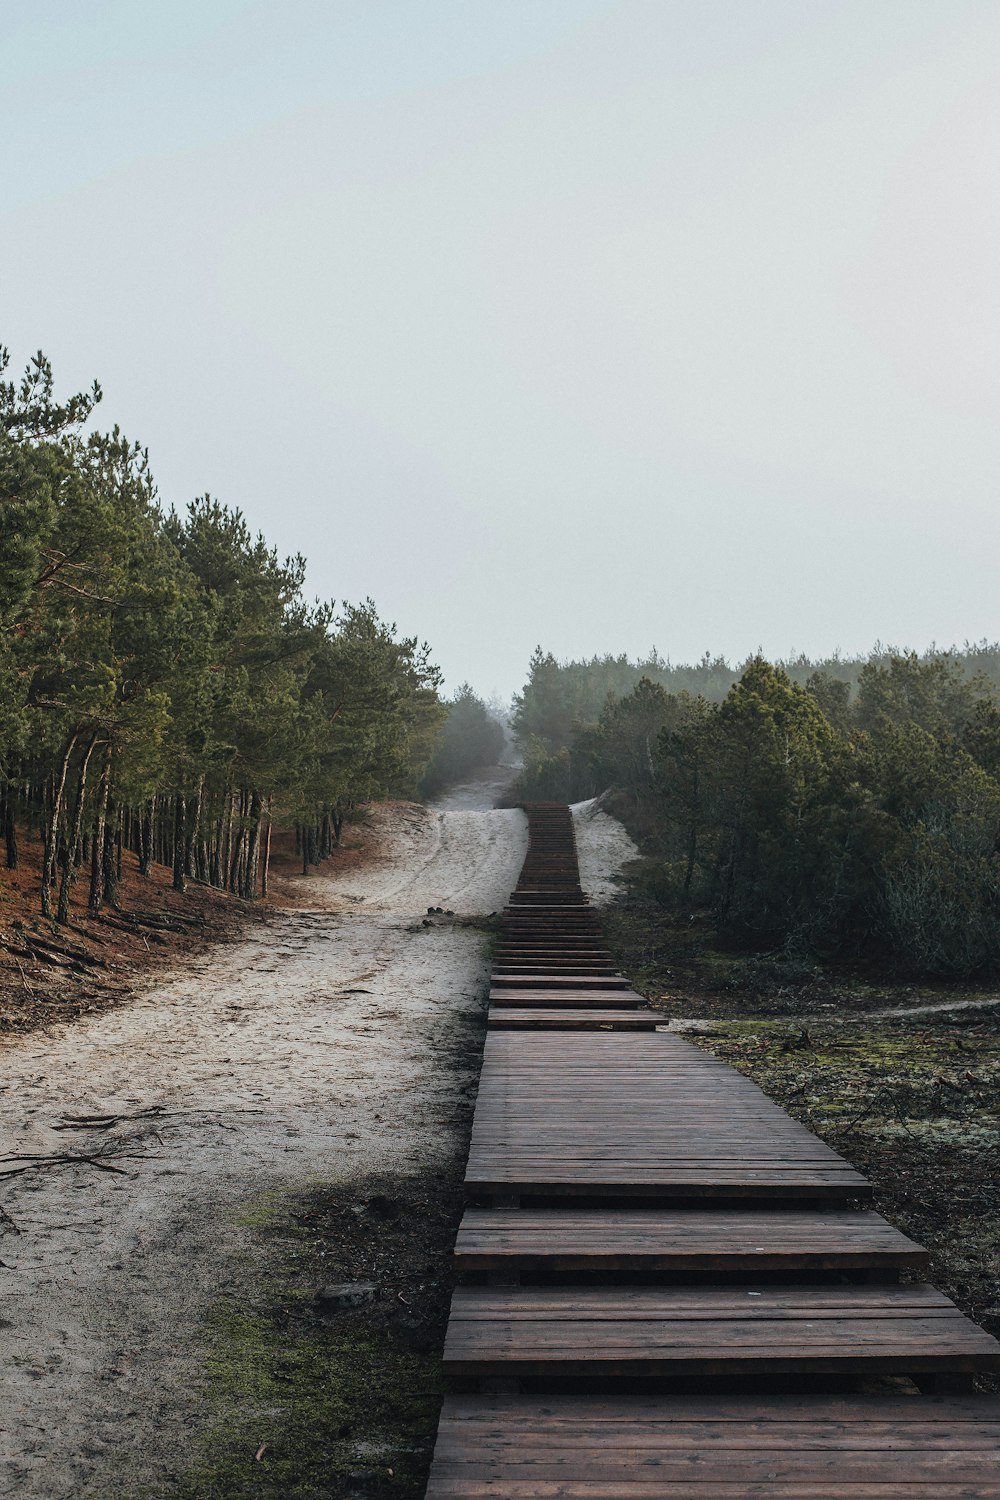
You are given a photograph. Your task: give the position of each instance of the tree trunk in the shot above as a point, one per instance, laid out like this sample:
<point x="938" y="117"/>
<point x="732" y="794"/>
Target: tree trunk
<point x="338" y="826"/>
<point x="97" y="842"/>
<point x="237" y="849"/>
<point x="110" y="858"/>
<point x="266" y="860"/>
<point x="227" y="842"/>
<point x="146" y="836"/>
<point x="180" y="842"/>
<point x="49" y="857"/>
<point x="10" y="830"/>
<point x="70" y="859"/>
<point x="253" y="847"/>
<point x="194" y="829"/>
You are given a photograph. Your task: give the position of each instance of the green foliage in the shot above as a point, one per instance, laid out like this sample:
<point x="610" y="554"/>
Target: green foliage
<point x="163" y="683"/>
<point x="560" y="697"/>
<point x="800" y="814"/>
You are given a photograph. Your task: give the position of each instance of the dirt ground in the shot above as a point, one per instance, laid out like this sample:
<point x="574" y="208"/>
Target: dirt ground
<point x="190" y="1162"/>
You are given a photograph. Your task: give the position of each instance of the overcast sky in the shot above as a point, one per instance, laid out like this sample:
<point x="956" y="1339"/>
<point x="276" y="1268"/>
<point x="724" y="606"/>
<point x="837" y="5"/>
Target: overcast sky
<point x="600" y="325"/>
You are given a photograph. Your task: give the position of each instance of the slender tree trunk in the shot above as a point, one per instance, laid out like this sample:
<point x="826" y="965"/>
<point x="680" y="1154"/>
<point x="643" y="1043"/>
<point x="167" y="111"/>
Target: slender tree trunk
<point x="110" y="859"/>
<point x="236" y="849"/>
<point x="253" y="847"/>
<point x="227" y="842"/>
<point x="97" y="842"/>
<point x="49" y="858"/>
<point x="194" y="829"/>
<point x="70" y="859"/>
<point x="146" y="836"/>
<point x="338" y="826"/>
<point x="10" y="830"/>
<point x="180" y="842"/>
<point x="266" y="860"/>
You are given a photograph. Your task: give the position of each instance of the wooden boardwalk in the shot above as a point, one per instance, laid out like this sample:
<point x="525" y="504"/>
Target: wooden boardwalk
<point x="668" y="1287"/>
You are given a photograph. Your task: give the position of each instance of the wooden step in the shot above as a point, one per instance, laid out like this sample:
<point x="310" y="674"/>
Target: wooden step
<point x="570" y="999"/>
<point x="594" y="1018"/>
<point x="717" y="1448"/>
<point x="574" y="923"/>
<point x="547" y="951"/>
<point x="543" y="981"/>
<point x="620" y="1332"/>
<point x="563" y="970"/>
<point x="666" y="1240"/>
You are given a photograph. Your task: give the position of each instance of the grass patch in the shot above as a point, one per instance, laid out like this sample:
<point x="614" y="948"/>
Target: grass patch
<point x="307" y="1402"/>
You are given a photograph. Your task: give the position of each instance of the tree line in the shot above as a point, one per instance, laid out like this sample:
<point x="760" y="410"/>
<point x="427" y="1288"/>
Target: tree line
<point x="847" y="816"/>
<point x="559" y="695"/>
<point x="165" y="687"/>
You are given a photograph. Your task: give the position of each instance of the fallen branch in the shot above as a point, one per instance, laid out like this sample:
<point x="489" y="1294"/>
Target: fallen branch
<point x="39" y="1163"/>
<point x="24" y="977"/>
<point x="155" y="1112"/>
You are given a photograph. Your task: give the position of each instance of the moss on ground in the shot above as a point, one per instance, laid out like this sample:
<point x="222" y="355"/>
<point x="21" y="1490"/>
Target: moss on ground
<point x="306" y="1403"/>
<point x="916" y="1109"/>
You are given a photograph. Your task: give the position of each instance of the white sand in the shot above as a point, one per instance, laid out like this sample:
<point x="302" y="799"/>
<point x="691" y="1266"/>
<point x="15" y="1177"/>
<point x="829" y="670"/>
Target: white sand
<point x="602" y="847"/>
<point x="322" y="1047"/>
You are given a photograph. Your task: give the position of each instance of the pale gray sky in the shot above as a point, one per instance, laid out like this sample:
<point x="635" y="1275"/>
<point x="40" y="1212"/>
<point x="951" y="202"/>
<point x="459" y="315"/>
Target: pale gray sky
<point x="594" y="324"/>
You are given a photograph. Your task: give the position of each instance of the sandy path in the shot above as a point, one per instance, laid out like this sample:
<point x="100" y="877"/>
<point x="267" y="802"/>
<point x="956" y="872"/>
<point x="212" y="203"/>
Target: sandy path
<point x="318" y="1048"/>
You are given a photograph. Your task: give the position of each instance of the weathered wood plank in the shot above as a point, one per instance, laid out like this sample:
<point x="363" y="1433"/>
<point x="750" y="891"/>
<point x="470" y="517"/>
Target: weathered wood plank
<point x="688" y="1240"/>
<point x="654" y="1331"/>
<point x="717" y="1448"/>
<point x="572" y="1018"/>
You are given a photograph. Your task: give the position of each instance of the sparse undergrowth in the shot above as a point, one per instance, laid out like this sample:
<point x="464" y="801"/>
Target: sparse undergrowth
<point x="682" y="964"/>
<point x="309" y="1402"/>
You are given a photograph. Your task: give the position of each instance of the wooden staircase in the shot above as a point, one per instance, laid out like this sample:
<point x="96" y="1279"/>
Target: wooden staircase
<point x="668" y="1287"/>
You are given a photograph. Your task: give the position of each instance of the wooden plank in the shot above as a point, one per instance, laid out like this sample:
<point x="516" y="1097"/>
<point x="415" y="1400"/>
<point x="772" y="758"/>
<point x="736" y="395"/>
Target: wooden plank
<point x="717" y="1448"/>
<point x="653" y="1331"/>
<point x="526" y="1018"/>
<point x="690" y="1240"/>
<point x="571" y="998"/>
<point x="541" y="981"/>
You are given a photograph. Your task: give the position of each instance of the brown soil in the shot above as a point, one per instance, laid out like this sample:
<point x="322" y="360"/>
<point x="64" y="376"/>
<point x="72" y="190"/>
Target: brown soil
<point x="53" y="973"/>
